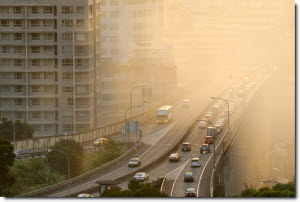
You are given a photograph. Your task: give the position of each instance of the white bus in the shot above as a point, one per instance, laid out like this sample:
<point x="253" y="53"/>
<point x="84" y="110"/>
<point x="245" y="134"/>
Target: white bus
<point x="164" y="114"/>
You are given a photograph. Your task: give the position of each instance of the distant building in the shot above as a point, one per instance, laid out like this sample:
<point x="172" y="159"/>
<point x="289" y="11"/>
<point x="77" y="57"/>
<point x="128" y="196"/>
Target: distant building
<point x="50" y="64"/>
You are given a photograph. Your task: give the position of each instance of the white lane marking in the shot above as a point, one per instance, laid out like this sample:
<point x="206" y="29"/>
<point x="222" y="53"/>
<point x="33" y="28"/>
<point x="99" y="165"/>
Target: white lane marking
<point x="211" y="179"/>
<point x="183" y="166"/>
<point x="171" y="126"/>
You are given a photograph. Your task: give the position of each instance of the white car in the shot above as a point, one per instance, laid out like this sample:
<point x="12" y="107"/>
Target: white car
<point x="195" y="162"/>
<point x="85" y="195"/>
<point x="220" y="123"/>
<point x="219" y="129"/>
<point x="203" y="124"/>
<point x="186" y="103"/>
<point x="141" y="176"/>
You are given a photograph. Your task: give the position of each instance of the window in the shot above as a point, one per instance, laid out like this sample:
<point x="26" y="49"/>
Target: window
<point x="67" y="62"/>
<point x="18" y="49"/>
<point x="48" y="62"/>
<point x="48" y="75"/>
<point x="70" y="101"/>
<point x="79" y="62"/>
<point x="90" y="9"/>
<point x="35" y="62"/>
<point x="80" y="22"/>
<point x="4" y="49"/>
<point x="48" y="127"/>
<point x="68" y="127"/>
<point x="36" y="101"/>
<point x="35" y="36"/>
<point x="5" y="23"/>
<point x="103" y="26"/>
<point x="4" y="36"/>
<point x="67" y="23"/>
<point x="79" y="9"/>
<point x="36" y="127"/>
<point x="66" y="9"/>
<point x="114" y="39"/>
<point x="48" y="49"/>
<point x="17" y="23"/>
<point x="5" y="62"/>
<point x="81" y="36"/>
<point x="79" y="49"/>
<point x="114" y="14"/>
<point x="48" y="36"/>
<point x="35" y="75"/>
<point x="48" y="89"/>
<point x="49" y="101"/>
<point x="18" y="63"/>
<point x="18" y="101"/>
<point x="4" y="10"/>
<point x="67" y="88"/>
<point x="17" y="10"/>
<point x="18" y="36"/>
<point x="48" y="23"/>
<point x="5" y="89"/>
<point x="5" y="102"/>
<point x="19" y="115"/>
<point x="36" y="115"/>
<point x="67" y="36"/>
<point x="35" y="89"/>
<point x="67" y="75"/>
<point x="48" y="9"/>
<point x="5" y="75"/>
<point x="35" y="23"/>
<point x="18" y="89"/>
<point x="34" y="10"/>
<point x="114" y="51"/>
<point x="114" y="27"/>
<point x="35" y="49"/>
<point x="18" y="75"/>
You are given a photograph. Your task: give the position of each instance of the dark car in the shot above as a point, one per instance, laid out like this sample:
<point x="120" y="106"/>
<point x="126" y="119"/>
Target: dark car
<point x="175" y="157"/>
<point x="189" y="177"/>
<point x="186" y="146"/>
<point x="134" y="162"/>
<point x="209" y="140"/>
<point x="190" y="192"/>
<point x="205" y="148"/>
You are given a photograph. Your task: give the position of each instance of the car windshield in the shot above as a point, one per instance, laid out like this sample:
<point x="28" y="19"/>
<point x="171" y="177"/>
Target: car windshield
<point x="134" y="160"/>
<point x="190" y="190"/>
<point x="195" y="161"/>
<point x="188" y="174"/>
<point x="139" y="174"/>
<point x="173" y="155"/>
<point x="185" y="145"/>
<point x="208" y="138"/>
<point x="204" y="146"/>
<point x="161" y="112"/>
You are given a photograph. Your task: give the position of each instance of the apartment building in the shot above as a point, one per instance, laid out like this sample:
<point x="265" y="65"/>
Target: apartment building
<point x="50" y="64"/>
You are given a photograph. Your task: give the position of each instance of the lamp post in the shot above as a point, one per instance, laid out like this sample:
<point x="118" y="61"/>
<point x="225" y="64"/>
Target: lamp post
<point x="214" y="140"/>
<point x="217" y="98"/>
<point x="131" y="97"/>
<point x="265" y="181"/>
<point x="52" y="150"/>
<point x="126" y="120"/>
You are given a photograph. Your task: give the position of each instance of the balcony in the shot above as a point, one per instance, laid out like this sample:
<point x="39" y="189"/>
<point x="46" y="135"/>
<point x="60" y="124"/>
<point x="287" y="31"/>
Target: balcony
<point x="42" y="82"/>
<point x="13" y="42"/>
<point x="12" y="81"/>
<point x="42" y="108"/>
<point x="12" y="55"/>
<point x="13" y="94"/>
<point x="41" y="41"/>
<point x="13" y="28"/>
<point x="42" y="121"/>
<point x="42" y="54"/>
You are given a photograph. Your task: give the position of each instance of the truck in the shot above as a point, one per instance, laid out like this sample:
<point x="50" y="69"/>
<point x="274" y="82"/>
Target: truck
<point x="211" y="131"/>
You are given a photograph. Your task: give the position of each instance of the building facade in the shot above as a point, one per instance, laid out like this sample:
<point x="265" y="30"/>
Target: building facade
<point x="50" y="64"/>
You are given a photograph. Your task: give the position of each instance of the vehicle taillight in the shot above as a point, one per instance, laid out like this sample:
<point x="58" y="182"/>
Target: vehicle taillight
<point x="186" y="194"/>
<point x="189" y="146"/>
<point x="181" y="146"/>
<point x="169" y="157"/>
<point x="176" y="157"/>
<point x="194" y="194"/>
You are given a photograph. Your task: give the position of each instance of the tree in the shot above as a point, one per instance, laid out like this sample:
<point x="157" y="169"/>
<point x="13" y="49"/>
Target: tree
<point x="277" y="190"/>
<point x="23" y="129"/>
<point x="58" y="161"/>
<point x="135" y="189"/>
<point x="7" y="157"/>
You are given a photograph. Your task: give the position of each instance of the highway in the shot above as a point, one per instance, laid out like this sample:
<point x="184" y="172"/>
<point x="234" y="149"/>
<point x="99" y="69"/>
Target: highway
<point x="162" y="136"/>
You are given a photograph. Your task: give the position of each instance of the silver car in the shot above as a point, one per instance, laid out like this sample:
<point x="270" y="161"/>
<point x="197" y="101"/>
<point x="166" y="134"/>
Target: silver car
<point x="195" y="162"/>
<point x="141" y="176"/>
<point x="134" y="162"/>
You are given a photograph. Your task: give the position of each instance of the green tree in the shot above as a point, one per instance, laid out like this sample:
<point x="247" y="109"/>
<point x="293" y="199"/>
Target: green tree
<point x="277" y="190"/>
<point x="7" y="157"/>
<point x="135" y="189"/>
<point x="59" y="162"/>
<point x="23" y="129"/>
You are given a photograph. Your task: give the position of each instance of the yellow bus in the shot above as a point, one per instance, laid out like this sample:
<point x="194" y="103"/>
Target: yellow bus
<point x="164" y="114"/>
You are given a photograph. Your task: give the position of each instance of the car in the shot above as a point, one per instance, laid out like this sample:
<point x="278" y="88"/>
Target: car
<point x="175" y="157"/>
<point x="208" y="117"/>
<point x="190" y="192"/>
<point x="195" y="162"/>
<point x="134" y="162"/>
<point x="85" y="195"/>
<point x="188" y="177"/>
<point x="21" y="153"/>
<point x="100" y="141"/>
<point x="209" y="140"/>
<point x="203" y="123"/>
<point x="186" y="104"/>
<point x="220" y="123"/>
<point x="205" y="148"/>
<point x="219" y="129"/>
<point x="186" y="146"/>
<point x="141" y="176"/>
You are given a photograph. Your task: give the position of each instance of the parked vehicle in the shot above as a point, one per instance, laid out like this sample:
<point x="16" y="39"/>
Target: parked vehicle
<point x="21" y="153"/>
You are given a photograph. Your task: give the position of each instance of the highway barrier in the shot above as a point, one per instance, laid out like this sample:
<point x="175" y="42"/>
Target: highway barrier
<point x="163" y="184"/>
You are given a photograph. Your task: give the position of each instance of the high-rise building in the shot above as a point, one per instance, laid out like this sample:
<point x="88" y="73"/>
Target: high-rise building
<point x="50" y="64"/>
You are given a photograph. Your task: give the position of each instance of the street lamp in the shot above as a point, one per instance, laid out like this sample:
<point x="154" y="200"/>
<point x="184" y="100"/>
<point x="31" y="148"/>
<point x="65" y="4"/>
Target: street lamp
<point x="214" y="140"/>
<point x="265" y="181"/>
<point x="217" y="98"/>
<point x="131" y="97"/>
<point x="52" y="150"/>
<point x="126" y="119"/>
